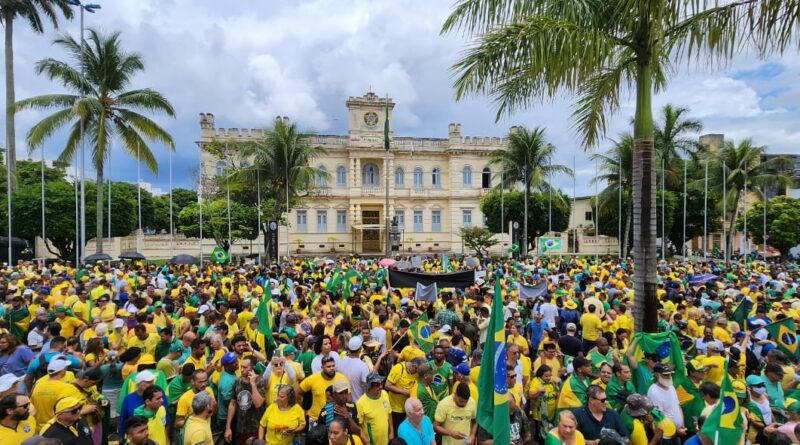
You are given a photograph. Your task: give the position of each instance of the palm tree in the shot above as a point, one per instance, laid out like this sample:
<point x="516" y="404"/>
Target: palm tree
<point x="744" y="169"/>
<point x="616" y="167"/>
<point x="108" y="109"/>
<point x="528" y="50"/>
<point x="32" y="11"/>
<point x="282" y="162"/>
<point x="527" y="159"/>
<point x="672" y="143"/>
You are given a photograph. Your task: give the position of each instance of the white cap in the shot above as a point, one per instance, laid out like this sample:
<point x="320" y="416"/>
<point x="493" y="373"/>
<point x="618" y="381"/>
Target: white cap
<point x="355" y="343"/>
<point x="445" y="328"/>
<point x="404" y="301"/>
<point x="7" y="381"/>
<point x="144" y="376"/>
<point x="118" y="323"/>
<point x="57" y="364"/>
<point x="203" y="309"/>
<point x="512" y="306"/>
<point x="27" y="292"/>
<point x="571" y="327"/>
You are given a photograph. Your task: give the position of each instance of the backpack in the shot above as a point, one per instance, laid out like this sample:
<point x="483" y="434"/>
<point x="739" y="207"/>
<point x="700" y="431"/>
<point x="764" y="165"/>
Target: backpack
<point x="41" y="370"/>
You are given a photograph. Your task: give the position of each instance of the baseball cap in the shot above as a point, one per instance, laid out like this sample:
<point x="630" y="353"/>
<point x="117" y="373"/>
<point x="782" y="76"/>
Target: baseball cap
<point x="374" y="377"/>
<point x="462" y="369"/>
<point x="176" y="347"/>
<point x="67" y="403"/>
<point x="354" y="344"/>
<point x="57" y="364"/>
<point x="340" y="386"/>
<point x="696" y="365"/>
<point x="7" y="381"/>
<point x="662" y="368"/>
<point x="446" y="328"/>
<point x="144" y="376"/>
<point x="118" y="323"/>
<point x="754" y="380"/>
<point x="229" y="358"/>
<point x="289" y="349"/>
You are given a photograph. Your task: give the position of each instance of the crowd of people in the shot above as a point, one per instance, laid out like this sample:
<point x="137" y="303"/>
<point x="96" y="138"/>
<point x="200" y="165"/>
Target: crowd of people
<point x="326" y="351"/>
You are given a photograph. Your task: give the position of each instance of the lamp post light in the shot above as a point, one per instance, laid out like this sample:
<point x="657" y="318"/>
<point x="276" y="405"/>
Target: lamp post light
<point x="91" y="8"/>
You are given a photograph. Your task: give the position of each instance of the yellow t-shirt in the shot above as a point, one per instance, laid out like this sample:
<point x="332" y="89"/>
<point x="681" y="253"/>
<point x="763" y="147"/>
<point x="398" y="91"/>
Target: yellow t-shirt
<point x="549" y="398"/>
<point x="590" y="325"/>
<point x="409" y="353"/>
<point x="81" y="310"/>
<point x="157" y="425"/>
<point x="376" y="413"/>
<point x="317" y="385"/>
<point x="25" y="429"/>
<point x="197" y="432"/>
<point x="455" y="418"/>
<point x="274" y="383"/>
<point x="185" y="402"/>
<point x="399" y="376"/>
<point x="148" y="345"/>
<point x="275" y="421"/>
<point x="714" y="373"/>
<point x="638" y="435"/>
<point x="46" y="393"/>
<point x="68" y="326"/>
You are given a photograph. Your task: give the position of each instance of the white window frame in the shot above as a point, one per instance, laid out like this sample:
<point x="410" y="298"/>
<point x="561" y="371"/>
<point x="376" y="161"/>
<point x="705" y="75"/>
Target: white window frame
<point x="419" y="180"/>
<point x="302" y="221"/>
<point x="436" y="221"/>
<point x="399" y="177"/>
<point x="466" y="176"/>
<point x="322" y="221"/>
<point x="436" y="178"/>
<point x="466" y="218"/>
<point x="341" y="221"/>
<point x="341" y="176"/>
<point x="419" y="221"/>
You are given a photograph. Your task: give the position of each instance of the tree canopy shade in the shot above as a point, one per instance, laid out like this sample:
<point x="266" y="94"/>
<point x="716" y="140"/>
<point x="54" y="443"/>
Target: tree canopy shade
<point x="181" y="198"/>
<point x="514" y="205"/>
<point x="109" y="109"/>
<point x="527" y="51"/>
<point x="783" y="230"/>
<point x="478" y="239"/>
<point x="33" y="11"/>
<point x="244" y="221"/>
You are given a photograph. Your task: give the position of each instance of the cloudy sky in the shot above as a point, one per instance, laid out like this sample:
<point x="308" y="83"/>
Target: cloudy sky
<point x="248" y="61"/>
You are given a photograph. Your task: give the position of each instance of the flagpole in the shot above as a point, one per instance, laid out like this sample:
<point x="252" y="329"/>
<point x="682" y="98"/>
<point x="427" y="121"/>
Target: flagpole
<point x="550" y="197"/>
<point x="684" y="208"/>
<point x="705" y="213"/>
<point x="171" y="235"/>
<point x="200" y="204"/>
<point x="574" y="205"/>
<point x="258" y="203"/>
<point x="619" y="207"/>
<point x="386" y="175"/>
<point x="663" y="213"/>
<point x="725" y="209"/>
<point x="502" y="198"/>
<point x="596" y="215"/>
<point x="746" y="238"/>
<point x="764" y="233"/>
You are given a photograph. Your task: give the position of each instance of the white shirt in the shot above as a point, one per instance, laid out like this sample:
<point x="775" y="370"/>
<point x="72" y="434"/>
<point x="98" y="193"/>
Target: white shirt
<point x="356" y="372"/>
<point x="316" y="364"/>
<point x="549" y="313"/>
<point x="379" y="334"/>
<point x="666" y="399"/>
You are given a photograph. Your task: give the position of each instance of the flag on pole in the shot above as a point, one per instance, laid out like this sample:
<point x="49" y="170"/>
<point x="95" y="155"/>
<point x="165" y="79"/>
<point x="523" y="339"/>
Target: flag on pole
<point x="333" y="283"/>
<point x="724" y="424"/>
<point x="784" y="333"/>
<point x="220" y="255"/>
<point x="421" y="332"/>
<point x="352" y="280"/>
<point x="264" y="317"/>
<point x="493" y="411"/>
<point x="741" y="312"/>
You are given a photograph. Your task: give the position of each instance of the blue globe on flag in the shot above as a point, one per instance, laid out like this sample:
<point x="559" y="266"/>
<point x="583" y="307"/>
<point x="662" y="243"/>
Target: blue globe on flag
<point x="728" y="405"/>
<point x="425" y="331"/>
<point x="664" y="350"/>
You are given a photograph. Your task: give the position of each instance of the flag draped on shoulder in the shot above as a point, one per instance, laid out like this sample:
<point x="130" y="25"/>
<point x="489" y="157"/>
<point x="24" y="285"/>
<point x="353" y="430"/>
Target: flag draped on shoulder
<point x="668" y="348"/>
<point x="264" y="317"/>
<point x="421" y="332"/>
<point x="426" y="293"/>
<point x="493" y="413"/>
<point x="784" y="333"/>
<point x="724" y="424"/>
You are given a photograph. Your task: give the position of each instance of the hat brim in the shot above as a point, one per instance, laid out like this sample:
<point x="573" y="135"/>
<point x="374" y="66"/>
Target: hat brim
<point x="638" y="412"/>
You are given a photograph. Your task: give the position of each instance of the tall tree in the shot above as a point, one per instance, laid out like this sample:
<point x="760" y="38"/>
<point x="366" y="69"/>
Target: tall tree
<point x="616" y="171"/>
<point x="672" y="142"/>
<point x="108" y="109"/>
<point x="528" y="50"/>
<point x="32" y="11"/>
<point x="783" y="232"/>
<point x="528" y="159"/>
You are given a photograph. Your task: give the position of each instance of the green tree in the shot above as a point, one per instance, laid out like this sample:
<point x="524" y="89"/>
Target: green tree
<point x="528" y="50"/>
<point x="244" y="221"/>
<point x="478" y="239"/>
<point x="672" y="142"/>
<point x="783" y="230"/>
<point x="181" y="198"/>
<point x="616" y="171"/>
<point x="538" y="211"/>
<point x="33" y="11"/>
<point x="528" y="159"/>
<point x="109" y="109"/>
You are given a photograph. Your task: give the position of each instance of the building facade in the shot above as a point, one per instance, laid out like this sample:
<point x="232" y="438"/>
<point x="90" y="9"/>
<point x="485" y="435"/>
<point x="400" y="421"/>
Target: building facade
<point x="435" y="185"/>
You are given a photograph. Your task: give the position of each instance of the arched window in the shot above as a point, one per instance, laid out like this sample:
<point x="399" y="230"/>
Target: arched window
<point x="436" y="178"/>
<point x="322" y="181"/>
<point x="399" y="178"/>
<point x="486" y="178"/>
<point x="221" y="168"/>
<point x="418" y="177"/>
<point x="466" y="176"/>
<point x="341" y="176"/>
<point x="370" y="176"/>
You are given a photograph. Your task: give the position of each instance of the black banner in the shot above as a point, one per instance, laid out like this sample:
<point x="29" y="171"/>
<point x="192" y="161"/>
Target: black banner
<point x="410" y="279"/>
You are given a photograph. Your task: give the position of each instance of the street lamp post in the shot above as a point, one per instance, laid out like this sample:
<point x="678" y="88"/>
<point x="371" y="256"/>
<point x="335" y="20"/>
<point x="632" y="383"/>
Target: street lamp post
<point x="89" y="7"/>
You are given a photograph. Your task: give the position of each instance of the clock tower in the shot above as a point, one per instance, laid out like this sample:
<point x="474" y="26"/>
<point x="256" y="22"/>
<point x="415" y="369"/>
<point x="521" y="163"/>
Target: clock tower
<point x="366" y="116"/>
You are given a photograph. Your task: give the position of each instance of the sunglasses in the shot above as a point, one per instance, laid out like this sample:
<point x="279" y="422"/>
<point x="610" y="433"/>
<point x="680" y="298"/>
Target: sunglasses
<point x="603" y="400"/>
<point x="73" y="411"/>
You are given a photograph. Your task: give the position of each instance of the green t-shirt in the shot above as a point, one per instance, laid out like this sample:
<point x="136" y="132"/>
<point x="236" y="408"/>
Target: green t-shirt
<point x="306" y="358"/>
<point x="442" y="376"/>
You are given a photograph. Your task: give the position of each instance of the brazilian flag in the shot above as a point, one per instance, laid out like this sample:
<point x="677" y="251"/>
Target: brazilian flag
<point x="724" y="424"/>
<point x="421" y="331"/>
<point x="784" y="333"/>
<point x="334" y="281"/>
<point x="668" y="348"/>
<point x="380" y="277"/>
<point x="352" y="280"/>
<point x="220" y="255"/>
<point x="492" y="412"/>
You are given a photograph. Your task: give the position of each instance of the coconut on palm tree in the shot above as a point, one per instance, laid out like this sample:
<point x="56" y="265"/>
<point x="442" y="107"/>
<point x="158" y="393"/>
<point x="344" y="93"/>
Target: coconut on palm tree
<point x="528" y="159"/>
<point x="33" y="11"/>
<point x="100" y="99"/>
<point x="528" y="50"/>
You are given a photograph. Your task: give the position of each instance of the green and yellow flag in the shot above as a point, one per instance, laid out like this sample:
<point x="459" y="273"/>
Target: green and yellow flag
<point x="220" y="255"/>
<point x="493" y="413"/>
<point x="668" y="348"/>
<point x="264" y="317"/>
<point x="724" y="424"/>
<point x="334" y="281"/>
<point x="386" y="140"/>
<point x="421" y="332"/>
<point x="784" y="333"/>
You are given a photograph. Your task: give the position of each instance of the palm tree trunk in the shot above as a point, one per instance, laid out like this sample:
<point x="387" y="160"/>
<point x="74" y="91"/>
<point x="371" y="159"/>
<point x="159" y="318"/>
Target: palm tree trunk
<point x="99" y="212"/>
<point x="626" y="235"/>
<point x="8" y="21"/>
<point x="644" y="210"/>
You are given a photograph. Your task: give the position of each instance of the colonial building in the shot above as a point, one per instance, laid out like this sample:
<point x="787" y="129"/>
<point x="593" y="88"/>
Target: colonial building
<point x="435" y="185"/>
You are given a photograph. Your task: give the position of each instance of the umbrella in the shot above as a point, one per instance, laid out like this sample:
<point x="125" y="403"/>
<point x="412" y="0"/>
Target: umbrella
<point x="183" y="259"/>
<point x="387" y="262"/>
<point x="702" y="279"/>
<point x="473" y="262"/>
<point x="98" y="257"/>
<point x="328" y="261"/>
<point x="403" y="265"/>
<point x="131" y="256"/>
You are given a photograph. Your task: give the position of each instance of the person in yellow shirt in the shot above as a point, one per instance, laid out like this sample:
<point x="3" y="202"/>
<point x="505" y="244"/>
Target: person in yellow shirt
<point x="153" y="410"/>
<point x="590" y="328"/>
<point x="374" y="412"/>
<point x="197" y="429"/>
<point x="455" y="417"/>
<point x="16" y="423"/>
<point x="282" y="420"/>
<point x="50" y="388"/>
<point x="70" y="325"/>
<point x="318" y="383"/>
<point x="144" y="340"/>
<point x="401" y="378"/>
<point x="185" y="404"/>
<point x="198" y="355"/>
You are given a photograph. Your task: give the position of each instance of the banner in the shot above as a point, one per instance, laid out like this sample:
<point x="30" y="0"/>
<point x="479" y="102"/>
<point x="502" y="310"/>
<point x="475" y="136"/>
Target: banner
<point x="400" y="279"/>
<point x="426" y="293"/>
<point x="535" y="291"/>
<point x="549" y="245"/>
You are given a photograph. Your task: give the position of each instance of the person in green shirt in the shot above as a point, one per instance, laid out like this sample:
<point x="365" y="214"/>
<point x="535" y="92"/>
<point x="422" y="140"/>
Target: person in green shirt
<point x="602" y="353"/>
<point x="621" y="383"/>
<point x="164" y="343"/>
<point x="424" y="391"/>
<point x="307" y="356"/>
<point x="690" y="393"/>
<point x="442" y="373"/>
<point x="642" y="371"/>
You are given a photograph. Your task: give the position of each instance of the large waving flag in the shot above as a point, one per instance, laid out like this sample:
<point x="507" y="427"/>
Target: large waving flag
<point x="784" y="333"/>
<point x="421" y="332"/>
<point x="668" y="348"/>
<point x="352" y="281"/>
<point x="333" y="283"/>
<point x="724" y="424"/>
<point x="264" y="317"/>
<point x="426" y="293"/>
<point x="741" y="312"/>
<point x="493" y="413"/>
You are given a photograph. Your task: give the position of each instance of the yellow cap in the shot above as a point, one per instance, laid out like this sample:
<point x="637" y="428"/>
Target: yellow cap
<point x="66" y="404"/>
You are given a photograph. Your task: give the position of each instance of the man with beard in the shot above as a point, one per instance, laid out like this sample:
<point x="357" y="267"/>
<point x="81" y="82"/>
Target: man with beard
<point x="601" y="354"/>
<point x="443" y="373"/>
<point x="185" y="409"/>
<point x="621" y="383"/>
<point x="663" y="393"/>
<point x="18" y="318"/>
<point x="17" y="423"/>
<point x="225" y="394"/>
<point x="247" y="406"/>
<point x="318" y="384"/>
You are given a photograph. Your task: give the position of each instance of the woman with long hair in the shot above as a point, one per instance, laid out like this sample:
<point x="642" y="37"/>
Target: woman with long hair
<point x="95" y="353"/>
<point x="283" y="420"/>
<point x="14" y="356"/>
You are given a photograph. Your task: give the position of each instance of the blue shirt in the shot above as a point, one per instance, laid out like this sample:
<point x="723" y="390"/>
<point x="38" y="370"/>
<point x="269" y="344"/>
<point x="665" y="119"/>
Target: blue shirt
<point x="129" y="405"/>
<point x="18" y="362"/>
<point x="694" y="440"/>
<point x="74" y="363"/>
<point x="224" y="394"/>
<point x="414" y="437"/>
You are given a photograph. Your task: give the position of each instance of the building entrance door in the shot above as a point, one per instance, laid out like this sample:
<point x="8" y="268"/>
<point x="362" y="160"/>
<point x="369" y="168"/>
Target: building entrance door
<point x="371" y="239"/>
